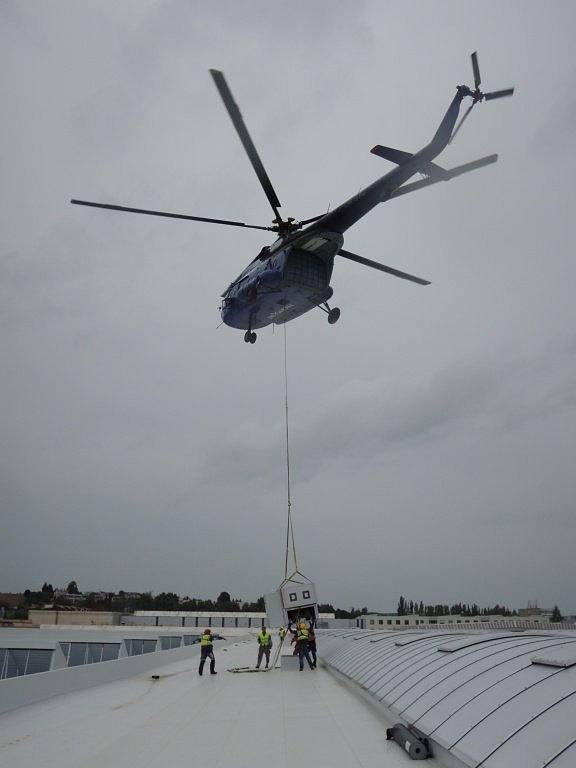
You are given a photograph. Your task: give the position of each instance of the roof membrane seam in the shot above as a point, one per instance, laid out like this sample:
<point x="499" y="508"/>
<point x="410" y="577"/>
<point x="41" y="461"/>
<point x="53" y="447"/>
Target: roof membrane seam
<point x="422" y="655"/>
<point x="524" y="725"/>
<point x="483" y="672"/>
<point x="502" y="704"/>
<point x="482" y="638"/>
<point x="395" y="654"/>
<point x="381" y="655"/>
<point x="410" y="641"/>
<point x="437" y="668"/>
<point x="453" y="659"/>
<point x="382" y="675"/>
<point x="365" y="653"/>
<point x="559" y="754"/>
<point x="468" y="701"/>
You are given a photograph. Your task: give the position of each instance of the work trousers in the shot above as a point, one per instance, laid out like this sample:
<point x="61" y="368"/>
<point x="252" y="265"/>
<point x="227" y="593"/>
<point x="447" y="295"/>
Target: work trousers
<point x="304" y="652"/>
<point x="312" y="649"/>
<point x="207" y="653"/>
<point x="263" y="650"/>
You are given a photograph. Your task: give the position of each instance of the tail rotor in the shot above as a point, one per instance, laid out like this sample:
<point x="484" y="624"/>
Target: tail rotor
<point x="476" y="94"/>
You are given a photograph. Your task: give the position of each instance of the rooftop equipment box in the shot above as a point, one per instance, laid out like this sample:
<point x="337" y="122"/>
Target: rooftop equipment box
<point x="294" y="599"/>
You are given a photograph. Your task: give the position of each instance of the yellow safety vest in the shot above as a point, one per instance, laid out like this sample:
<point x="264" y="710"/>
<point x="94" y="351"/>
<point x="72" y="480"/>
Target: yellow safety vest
<point x="206" y="640"/>
<point x="302" y="634"/>
<point x="264" y="639"/>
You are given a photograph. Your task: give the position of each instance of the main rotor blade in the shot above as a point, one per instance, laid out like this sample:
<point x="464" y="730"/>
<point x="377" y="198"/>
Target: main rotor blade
<point x="314" y="218"/>
<point x="168" y="215"/>
<point x="460" y="124"/>
<point x="382" y="267"/>
<point x="236" y="117"/>
<point x="498" y="94"/>
<point x="476" y="69"/>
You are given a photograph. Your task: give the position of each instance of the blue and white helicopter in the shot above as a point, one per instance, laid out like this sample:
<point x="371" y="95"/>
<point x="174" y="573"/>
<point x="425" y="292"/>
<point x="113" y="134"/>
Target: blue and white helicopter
<point x="292" y="276"/>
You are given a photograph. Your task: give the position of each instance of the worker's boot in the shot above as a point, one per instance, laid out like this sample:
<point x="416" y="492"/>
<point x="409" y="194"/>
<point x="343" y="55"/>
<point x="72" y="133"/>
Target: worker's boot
<point x="213" y="668"/>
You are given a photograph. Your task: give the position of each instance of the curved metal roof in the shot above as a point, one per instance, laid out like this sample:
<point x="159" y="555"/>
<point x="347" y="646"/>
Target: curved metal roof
<point x="492" y="699"/>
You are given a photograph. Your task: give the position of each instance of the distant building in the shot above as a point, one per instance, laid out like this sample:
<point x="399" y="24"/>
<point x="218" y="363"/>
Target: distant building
<point x="394" y="621"/>
<point x="219" y="619"/>
<point x="74" y="616"/>
<point x="535" y="611"/>
<point x="70" y="597"/>
<point x="123" y="596"/>
<point x="11" y="599"/>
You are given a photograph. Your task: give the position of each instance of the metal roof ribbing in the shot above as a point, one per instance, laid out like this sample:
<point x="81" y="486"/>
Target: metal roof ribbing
<point x="484" y="701"/>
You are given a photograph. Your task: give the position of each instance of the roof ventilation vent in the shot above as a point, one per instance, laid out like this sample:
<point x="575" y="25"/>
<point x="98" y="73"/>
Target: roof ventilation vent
<point x="562" y="656"/>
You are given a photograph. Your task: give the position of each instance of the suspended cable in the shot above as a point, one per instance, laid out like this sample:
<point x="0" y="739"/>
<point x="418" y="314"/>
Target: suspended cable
<point x="289" y="523"/>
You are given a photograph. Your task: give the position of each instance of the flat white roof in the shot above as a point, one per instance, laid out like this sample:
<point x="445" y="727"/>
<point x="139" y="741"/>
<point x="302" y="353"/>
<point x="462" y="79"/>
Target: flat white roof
<point x="276" y="718"/>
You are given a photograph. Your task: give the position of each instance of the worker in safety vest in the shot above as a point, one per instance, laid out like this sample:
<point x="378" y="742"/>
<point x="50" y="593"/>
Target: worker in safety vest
<point x="312" y="644"/>
<point x="264" y="647"/>
<point x="207" y="652"/>
<point x="302" y="639"/>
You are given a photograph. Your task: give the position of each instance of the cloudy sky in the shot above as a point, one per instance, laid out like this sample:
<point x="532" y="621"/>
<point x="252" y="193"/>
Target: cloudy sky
<point x="434" y="429"/>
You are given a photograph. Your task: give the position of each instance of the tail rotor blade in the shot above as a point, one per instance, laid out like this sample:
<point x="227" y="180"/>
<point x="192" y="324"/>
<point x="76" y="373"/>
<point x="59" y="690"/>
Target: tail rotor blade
<point x="460" y="124"/>
<point x="476" y="69"/>
<point x="498" y="94"/>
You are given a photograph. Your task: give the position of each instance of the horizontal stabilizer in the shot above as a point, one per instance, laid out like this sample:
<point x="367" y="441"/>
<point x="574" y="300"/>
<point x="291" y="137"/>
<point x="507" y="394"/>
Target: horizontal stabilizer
<point x="450" y="174"/>
<point x="394" y="155"/>
<point x="399" y="157"/>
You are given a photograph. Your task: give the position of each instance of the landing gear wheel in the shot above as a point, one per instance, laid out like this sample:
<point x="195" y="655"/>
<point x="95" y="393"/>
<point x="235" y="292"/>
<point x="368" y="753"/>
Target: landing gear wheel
<point x="250" y="337"/>
<point x="333" y="315"/>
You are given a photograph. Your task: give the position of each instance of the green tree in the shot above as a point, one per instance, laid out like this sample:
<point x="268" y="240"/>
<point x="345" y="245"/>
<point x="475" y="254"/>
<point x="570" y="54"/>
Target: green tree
<point x="72" y="588"/>
<point x="556" y="617"/>
<point x="167" y="601"/>
<point x="224" y="602"/>
<point x="146" y="602"/>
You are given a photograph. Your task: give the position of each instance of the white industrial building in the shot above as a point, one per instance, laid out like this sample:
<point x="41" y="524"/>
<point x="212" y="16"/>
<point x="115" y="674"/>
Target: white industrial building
<point x="217" y="619"/>
<point x="395" y="621"/>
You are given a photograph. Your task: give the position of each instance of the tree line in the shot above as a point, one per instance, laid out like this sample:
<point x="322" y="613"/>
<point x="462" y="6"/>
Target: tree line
<point x="164" y="601"/>
<point x="410" y="607"/>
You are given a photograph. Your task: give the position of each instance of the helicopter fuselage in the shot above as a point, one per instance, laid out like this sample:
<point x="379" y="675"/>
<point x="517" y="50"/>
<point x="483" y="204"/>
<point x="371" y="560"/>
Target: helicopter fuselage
<point x="284" y="281"/>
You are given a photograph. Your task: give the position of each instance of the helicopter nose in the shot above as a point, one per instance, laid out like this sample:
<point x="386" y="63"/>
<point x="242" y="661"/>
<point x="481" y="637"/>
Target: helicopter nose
<point x="226" y="306"/>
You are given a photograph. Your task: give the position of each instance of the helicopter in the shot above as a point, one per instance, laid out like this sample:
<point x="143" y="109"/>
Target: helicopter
<point x="292" y="276"/>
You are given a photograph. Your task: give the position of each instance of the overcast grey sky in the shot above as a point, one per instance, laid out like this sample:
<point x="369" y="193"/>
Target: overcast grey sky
<point x="434" y="429"/>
